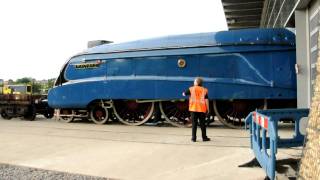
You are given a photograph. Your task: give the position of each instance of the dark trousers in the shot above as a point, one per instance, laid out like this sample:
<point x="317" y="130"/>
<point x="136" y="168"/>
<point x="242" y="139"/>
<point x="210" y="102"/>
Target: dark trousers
<point x="195" y="116"/>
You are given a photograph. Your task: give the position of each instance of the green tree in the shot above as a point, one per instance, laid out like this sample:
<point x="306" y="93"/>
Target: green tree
<point x="36" y="88"/>
<point x="10" y="82"/>
<point x="51" y="83"/>
<point x="25" y="80"/>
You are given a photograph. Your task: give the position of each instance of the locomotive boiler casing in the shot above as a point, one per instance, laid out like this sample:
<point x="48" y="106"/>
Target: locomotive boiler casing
<point x="237" y="64"/>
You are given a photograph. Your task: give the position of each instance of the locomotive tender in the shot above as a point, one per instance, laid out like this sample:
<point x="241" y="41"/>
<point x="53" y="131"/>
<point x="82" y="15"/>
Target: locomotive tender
<point x="242" y="69"/>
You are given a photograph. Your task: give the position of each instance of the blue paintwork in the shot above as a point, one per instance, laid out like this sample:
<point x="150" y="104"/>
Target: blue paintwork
<point x="238" y="64"/>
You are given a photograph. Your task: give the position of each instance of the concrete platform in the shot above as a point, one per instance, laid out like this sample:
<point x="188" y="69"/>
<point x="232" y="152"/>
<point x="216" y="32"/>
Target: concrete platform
<point x="127" y="152"/>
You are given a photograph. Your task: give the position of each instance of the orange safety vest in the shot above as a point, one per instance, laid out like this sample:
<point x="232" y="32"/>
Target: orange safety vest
<point x="197" y="102"/>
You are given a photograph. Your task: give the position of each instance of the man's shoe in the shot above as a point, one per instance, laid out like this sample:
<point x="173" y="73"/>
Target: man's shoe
<point x="193" y="140"/>
<point x="206" y="139"/>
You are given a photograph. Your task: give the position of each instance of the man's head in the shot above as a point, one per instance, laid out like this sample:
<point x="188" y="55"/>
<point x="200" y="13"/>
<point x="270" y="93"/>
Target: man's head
<point x="198" y="81"/>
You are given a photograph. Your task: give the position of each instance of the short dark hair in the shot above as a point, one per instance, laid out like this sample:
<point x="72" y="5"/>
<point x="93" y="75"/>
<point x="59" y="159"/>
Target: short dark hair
<point x="199" y="81"/>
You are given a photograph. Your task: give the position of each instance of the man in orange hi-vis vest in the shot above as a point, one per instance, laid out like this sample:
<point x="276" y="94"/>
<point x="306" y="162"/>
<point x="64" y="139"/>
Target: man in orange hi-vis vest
<point x="198" y="106"/>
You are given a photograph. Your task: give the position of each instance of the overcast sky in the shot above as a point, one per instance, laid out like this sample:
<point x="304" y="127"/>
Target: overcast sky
<point x="38" y="36"/>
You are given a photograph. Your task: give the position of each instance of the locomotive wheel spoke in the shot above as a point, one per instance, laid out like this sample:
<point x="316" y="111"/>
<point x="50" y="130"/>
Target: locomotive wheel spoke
<point x="172" y="111"/>
<point x="176" y="113"/>
<point x="132" y="112"/>
<point x="99" y="114"/>
<point x="233" y="113"/>
<point x="66" y="119"/>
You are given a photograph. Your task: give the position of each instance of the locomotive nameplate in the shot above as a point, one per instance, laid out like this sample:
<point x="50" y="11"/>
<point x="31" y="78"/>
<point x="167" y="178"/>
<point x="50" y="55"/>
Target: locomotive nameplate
<point x="90" y="65"/>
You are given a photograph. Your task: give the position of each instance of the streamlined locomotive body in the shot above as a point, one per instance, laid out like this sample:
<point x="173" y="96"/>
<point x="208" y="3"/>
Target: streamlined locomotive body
<point x="242" y="69"/>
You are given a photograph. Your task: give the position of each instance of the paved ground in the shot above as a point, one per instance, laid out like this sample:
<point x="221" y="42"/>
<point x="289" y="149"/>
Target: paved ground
<point x="126" y="152"/>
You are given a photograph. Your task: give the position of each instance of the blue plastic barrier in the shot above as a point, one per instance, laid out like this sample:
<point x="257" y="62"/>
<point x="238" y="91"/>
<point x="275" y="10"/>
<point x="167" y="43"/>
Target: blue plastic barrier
<point x="264" y="135"/>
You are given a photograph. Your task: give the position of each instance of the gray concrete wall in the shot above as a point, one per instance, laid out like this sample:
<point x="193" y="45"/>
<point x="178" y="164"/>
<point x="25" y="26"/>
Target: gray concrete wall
<point x="307" y="22"/>
<point x="278" y="13"/>
<point x="303" y="60"/>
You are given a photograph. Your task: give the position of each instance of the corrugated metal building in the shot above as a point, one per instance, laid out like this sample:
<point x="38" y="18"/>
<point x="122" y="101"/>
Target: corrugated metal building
<point x="303" y="15"/>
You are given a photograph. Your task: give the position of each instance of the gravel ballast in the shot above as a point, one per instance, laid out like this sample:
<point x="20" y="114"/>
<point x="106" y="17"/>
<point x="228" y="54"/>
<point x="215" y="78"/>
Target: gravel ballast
<point x="12" y="172"/>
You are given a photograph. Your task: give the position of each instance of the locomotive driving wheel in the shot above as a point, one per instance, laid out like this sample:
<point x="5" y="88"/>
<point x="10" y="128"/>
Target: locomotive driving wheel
<point x="233" y="113"/>
<point x="66" y="116"/>
<point x="66" y="119"/>
<point x="99" y="114"/>
<point x="176" y="113"/>
<point x="132" y="112"/>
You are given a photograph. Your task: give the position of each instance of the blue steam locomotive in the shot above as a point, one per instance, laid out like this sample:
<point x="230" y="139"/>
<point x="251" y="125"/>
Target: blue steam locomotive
<point x="242" y="69"/>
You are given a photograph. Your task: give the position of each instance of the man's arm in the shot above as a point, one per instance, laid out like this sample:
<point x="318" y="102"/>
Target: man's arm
<point x="207" y="103"/>
<point x="208" y="107"/>
<point x="186" y="93"/>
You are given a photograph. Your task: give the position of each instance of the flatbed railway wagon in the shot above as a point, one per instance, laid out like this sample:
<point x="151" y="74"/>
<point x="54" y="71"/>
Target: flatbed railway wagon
<point x="19" y="101"/>
<point x="242" y="69"/>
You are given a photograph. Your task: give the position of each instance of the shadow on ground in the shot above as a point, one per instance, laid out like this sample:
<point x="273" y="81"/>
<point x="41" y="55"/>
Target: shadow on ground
<point x="285" y="168"/>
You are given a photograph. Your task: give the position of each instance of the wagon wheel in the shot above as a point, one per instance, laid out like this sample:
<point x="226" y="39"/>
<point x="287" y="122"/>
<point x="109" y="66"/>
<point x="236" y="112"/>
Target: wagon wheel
<point x="4" y="115"/>
<point x="49" y="113"/>
<point x="31" y="114"/>
<point x="133" y="113"/>
<point x="233" y="113"/>
<point x="99" y="114"/>
<point x="176" y="113"/>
